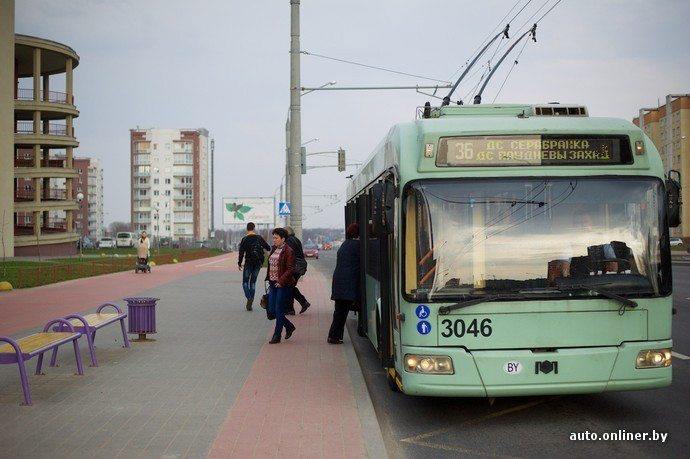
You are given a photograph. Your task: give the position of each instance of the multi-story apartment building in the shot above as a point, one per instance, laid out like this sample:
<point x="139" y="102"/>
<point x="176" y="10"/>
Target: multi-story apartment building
<point x="7" y="96"/>
<point x="671" y="136"/>
<point x="170" y="183"/>
<point x="95" y="199"/>
<point x="44" y="203"/>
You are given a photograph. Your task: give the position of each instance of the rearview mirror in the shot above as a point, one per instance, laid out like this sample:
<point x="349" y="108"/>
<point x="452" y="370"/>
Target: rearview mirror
<point x="673" y="198"/>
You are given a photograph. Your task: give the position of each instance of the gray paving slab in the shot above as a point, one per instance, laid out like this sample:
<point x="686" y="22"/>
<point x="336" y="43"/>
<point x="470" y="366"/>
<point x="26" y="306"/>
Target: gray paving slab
<point x="166" y="398"/>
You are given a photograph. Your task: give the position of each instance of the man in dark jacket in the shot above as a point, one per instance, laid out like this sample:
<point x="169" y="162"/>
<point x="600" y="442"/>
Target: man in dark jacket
<point x="252" y="249"/>
<point x="296" y="246"/>
<point x="345" y="288"/>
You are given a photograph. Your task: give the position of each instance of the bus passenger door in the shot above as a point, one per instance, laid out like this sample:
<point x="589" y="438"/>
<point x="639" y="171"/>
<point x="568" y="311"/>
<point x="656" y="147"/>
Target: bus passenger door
<point x="382" y="198"/>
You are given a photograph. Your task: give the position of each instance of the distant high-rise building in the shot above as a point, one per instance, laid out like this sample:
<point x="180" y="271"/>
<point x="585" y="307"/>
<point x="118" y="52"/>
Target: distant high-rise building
<point x="95" y="198"/>
<point x="673" y="143"/>
<point x="170" y="183"/>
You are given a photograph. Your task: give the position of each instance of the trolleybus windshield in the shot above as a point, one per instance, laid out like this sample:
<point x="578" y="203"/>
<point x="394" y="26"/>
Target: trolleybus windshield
<point x="535" y="235"/>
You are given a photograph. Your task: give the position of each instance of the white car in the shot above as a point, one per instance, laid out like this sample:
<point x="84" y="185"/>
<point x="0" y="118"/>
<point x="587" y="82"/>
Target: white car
<point x="675" y="241"/>
<point x="125" y="239"/>
<point x="106" y="243"/>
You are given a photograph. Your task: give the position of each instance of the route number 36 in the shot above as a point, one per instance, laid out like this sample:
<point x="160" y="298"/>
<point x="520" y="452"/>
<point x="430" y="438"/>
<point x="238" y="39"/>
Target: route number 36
<point x="459" y="328"/>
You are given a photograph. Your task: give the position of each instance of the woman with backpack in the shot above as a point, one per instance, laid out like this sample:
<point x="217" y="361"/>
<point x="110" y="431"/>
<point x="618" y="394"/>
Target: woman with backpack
<point x="252" y="249"/>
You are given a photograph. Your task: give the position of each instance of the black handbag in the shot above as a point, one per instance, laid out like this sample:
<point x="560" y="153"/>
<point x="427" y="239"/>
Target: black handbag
<point x="264" y="303"/>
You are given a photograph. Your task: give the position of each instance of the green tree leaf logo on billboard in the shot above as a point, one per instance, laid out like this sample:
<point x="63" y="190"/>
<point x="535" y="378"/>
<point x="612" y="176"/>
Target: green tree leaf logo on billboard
<point x="238" y="210"/>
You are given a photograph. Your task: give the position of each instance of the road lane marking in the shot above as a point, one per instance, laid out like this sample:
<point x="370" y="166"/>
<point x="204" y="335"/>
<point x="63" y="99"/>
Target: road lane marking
<point x="680" y="356"/>
<point x="417" y="438"/>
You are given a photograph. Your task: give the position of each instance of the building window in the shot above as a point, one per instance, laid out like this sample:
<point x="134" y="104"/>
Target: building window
<point x="167" y="192"/>
<point x="155" y="181"/>
<point x="155" y="146"/>
<point x="167" y="227"/>
<point x="167" y="181"/>
<point x="155" y="192"/>
<point x="142" y="192"/>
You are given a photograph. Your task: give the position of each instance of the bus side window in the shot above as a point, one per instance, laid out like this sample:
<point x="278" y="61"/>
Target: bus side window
<point x="420" y="264"/>
<point x="372" y="247"/>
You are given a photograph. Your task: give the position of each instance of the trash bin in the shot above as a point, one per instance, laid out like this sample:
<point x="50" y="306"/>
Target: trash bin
<point x="141" y="316"/>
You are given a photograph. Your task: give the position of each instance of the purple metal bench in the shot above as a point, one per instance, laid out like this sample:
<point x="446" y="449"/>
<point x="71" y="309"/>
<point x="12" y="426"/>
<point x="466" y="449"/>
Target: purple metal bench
<point x="89" y="324"/>
<point x="23" y="349"/>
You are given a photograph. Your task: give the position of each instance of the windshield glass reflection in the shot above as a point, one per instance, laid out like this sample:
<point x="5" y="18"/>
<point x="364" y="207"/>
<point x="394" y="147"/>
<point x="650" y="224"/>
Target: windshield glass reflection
<point x="474" y="237"/>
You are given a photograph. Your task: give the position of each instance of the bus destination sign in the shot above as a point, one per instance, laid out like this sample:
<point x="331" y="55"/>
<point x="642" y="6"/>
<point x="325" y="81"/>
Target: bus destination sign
<point x="532" y="150"/>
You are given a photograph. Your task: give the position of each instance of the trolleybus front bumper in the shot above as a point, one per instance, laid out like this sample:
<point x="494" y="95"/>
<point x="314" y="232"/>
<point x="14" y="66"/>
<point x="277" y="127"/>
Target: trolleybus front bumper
<point x="492" y="373"/>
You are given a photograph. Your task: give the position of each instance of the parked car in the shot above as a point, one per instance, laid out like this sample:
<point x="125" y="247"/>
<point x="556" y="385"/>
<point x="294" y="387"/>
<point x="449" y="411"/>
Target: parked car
<point x="86" y="243"/>
<point x="676" y="241"/>
<point x="311" y="251"/>
<point x="327" y="246"/>
<point x="124" y="239"/>
<point x="106" y="243"/>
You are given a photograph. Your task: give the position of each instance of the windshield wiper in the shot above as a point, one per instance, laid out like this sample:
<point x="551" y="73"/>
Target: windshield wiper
<point x="624" y="302"/>
<point x="444" y="310"/>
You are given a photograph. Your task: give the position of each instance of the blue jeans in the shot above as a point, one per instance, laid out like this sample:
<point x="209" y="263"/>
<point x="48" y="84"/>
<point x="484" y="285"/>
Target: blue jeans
<point x="277" y="300"/>
<point x="249" y="275"/>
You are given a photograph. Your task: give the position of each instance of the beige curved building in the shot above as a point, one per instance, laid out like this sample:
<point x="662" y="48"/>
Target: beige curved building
<point x="44" y="143"/>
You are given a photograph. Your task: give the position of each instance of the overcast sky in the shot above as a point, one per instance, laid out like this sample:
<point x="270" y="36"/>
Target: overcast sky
<point x="224" y="65"/>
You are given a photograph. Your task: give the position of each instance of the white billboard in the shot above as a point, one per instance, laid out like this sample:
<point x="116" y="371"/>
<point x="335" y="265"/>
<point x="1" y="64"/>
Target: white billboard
<point x="242" y="210"/>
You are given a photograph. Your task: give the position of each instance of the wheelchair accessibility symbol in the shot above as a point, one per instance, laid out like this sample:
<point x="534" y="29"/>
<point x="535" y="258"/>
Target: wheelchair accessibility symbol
<point x="423" y="327"/>
<point x="422" y="311"/>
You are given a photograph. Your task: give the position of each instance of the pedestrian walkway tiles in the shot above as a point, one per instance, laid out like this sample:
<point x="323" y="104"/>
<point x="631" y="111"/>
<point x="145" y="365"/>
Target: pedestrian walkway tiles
<point x="208" y="385"/>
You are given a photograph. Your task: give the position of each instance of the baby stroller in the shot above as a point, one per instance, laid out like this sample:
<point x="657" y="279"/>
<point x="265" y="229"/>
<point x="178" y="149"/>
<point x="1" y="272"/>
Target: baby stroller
<point x="142" y="265"/>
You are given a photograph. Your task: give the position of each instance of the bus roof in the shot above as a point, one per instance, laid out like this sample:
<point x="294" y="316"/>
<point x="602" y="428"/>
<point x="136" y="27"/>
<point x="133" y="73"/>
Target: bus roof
<point x="477" y="120"/>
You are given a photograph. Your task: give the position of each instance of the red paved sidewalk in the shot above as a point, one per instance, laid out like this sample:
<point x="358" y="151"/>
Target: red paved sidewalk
<point x="26" y="308"/>
<point x="298" y="400"/>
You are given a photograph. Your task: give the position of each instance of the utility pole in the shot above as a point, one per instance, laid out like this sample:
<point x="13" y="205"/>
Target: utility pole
<point x="295" y="177"/>
<point x="287" y="163"/>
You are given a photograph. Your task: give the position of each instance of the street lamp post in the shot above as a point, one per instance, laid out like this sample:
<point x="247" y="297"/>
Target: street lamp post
<point x="80" y="199"/>
<point x="156" y="227"/>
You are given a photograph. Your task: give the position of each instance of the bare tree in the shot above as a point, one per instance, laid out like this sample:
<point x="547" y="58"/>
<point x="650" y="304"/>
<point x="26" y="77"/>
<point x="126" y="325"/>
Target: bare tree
<point x="116" y="227"/>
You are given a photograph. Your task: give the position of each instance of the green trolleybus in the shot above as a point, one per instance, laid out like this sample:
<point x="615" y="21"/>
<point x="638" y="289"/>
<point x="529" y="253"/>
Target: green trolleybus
<point x="516" y="250"/>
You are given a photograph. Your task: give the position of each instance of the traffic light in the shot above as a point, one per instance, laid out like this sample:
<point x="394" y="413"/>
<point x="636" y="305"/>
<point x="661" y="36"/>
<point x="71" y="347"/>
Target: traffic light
<point x="341" y="160"/>
<point x="303" y="159"/>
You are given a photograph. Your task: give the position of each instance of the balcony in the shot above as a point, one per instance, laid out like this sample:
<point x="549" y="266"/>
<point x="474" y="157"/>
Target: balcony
<point x="27" y="128"/>
<point x="24" y="161"/>
<point x="53" y="96"/>
<point x="54" y="194"/>
<point x="24" y="195"/>
<point x="23" y="230"/>
<point x="54" y="225"/>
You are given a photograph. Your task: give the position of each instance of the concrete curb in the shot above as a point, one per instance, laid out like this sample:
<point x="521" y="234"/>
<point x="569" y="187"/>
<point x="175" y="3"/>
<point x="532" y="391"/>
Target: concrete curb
<point x="371" y="430"/>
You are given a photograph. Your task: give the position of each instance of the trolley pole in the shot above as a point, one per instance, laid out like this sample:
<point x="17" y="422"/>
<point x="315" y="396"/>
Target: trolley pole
<point x="295" y="179"/>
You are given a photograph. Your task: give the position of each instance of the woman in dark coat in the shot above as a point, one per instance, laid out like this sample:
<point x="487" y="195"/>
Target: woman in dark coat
<point x="345" y="289"/>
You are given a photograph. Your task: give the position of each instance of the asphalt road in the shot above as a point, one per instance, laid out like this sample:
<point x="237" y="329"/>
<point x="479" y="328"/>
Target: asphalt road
<point x="432" y="427"/>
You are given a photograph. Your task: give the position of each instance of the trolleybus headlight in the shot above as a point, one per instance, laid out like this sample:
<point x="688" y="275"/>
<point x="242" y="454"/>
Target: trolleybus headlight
<point x="639" y="147"/>
<point x="653" y="358"/>
<point x="429" y="364"/>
